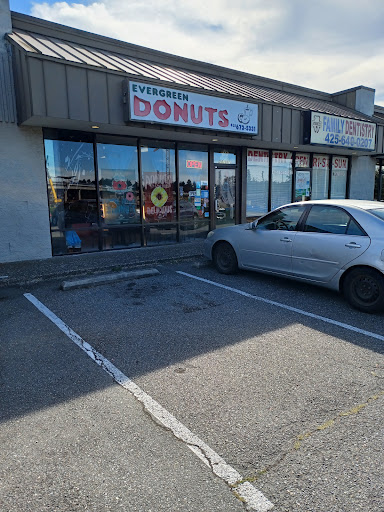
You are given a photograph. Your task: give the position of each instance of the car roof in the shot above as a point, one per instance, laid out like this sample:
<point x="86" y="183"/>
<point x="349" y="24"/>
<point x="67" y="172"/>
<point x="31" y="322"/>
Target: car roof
<point x="353" y="203"/>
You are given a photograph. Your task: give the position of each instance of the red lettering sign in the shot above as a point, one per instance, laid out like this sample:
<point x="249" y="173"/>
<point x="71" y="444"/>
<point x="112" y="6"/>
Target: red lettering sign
<point x="167" y="109"/>
<point x="137" y="103"/>
<point x="223" y="120"/>
<point x="196" y="119"/>
<point x="210" y="111"/>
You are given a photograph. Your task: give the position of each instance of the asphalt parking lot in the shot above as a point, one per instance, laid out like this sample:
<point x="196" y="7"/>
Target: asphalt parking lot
<point x="239" y="392"/>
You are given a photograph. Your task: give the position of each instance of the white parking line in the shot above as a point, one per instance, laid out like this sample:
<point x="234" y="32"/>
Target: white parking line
<point x="285" y="306"/>
<point x="249" y="495"/>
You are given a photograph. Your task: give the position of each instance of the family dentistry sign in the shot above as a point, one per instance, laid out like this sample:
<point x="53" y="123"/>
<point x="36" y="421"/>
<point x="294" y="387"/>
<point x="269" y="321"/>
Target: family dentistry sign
<point x="343" y="132"/>
<point x="154" y="104"/>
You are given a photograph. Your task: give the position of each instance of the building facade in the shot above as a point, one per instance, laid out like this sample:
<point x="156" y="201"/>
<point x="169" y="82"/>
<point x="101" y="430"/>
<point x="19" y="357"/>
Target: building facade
<point x="107" y="145"/>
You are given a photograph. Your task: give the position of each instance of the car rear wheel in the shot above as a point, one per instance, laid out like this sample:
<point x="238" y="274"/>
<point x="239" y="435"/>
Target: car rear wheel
<point x="225" y="259"/>
<point x="364" y="290"/>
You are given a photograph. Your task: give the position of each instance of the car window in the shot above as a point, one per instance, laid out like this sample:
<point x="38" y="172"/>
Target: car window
<point x="355" y="229"/>
<point x="330" y="219"/>
<point x="282" y="219"/>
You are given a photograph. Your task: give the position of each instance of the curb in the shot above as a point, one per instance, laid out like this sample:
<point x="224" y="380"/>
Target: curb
<point x="9" y="282"/>
<point x="107" y="278"/>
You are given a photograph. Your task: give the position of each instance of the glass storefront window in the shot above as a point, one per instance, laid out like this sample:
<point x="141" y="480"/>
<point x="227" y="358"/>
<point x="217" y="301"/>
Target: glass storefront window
<point x="121" y="237"/>
<point x="118" y="184"/>
<point x="193" y="193"/>
<point x="159" y="184"/>
<point x="339" y="177"/>
<point x="320" y="177"/>
<point x="173" y="204"/>
<point x="160" y="234"/>
<point x="281" y="178"/>
<point x="72" y="196"/>
<point x="257" y="183"/>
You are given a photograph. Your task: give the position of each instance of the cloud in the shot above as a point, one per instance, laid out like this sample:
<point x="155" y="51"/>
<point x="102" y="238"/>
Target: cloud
<point x="323" y="45"/>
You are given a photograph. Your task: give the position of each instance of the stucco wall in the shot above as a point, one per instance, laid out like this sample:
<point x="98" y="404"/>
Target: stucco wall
<point x="24" y="214"/>
<point x="24" y="226"/>
<point x="362" y="178"/>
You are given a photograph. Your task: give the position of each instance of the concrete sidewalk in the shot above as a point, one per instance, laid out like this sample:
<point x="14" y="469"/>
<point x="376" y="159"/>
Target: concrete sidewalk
<point x="30" y="272"/>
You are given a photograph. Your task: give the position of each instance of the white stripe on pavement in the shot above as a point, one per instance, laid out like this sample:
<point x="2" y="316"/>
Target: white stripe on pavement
<point x="285" y="306"/>
<point x="253" y="498"/>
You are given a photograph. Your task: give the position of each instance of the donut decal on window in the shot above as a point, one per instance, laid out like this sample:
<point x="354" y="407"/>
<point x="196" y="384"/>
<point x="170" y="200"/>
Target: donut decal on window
<point x="159" y="197"/>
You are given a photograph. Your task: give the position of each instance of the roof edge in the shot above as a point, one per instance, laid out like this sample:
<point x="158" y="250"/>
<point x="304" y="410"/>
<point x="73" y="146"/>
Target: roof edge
<point x="52" y="29"/>
<point x="353" y="89"/>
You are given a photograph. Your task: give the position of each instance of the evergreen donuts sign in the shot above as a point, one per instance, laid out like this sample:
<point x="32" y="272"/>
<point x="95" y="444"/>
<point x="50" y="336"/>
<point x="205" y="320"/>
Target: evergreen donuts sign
<point x="155" y="104"/>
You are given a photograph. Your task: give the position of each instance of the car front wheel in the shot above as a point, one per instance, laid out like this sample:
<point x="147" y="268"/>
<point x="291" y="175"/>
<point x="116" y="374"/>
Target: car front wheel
<point x="364" y="290"/>
<point x="225" y="259"/>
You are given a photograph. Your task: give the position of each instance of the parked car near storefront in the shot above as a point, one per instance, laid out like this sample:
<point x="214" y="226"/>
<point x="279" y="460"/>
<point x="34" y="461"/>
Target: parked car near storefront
<point x="338" y="244"/>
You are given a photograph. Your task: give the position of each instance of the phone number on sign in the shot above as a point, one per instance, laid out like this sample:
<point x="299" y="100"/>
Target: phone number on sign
<point x="346" y="140"/>
<point x="243" y="128"/>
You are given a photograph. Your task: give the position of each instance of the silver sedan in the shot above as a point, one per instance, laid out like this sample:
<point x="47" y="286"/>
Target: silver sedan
<point x="338" y="244"/>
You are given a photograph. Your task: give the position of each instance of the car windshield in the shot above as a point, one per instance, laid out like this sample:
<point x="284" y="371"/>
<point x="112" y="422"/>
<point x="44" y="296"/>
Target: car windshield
<point x="379" y="212"/>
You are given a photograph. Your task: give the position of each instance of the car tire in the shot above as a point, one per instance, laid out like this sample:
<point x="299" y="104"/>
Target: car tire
<point x="363" y="288"/>
<point x="225" y="259"/>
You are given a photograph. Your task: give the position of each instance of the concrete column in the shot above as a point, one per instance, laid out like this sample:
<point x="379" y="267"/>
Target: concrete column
<point x="359" y="98"/>
<point x="24" y="214"/>
<point x="5" y="21"/>
<point x="365" y="100"/>
<point x="362" y="182"/>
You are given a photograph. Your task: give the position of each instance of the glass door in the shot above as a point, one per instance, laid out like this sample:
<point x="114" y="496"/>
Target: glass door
<point x="225" y="188"/>
<point x="225" y="196"/>
<point x="304" y="181"/>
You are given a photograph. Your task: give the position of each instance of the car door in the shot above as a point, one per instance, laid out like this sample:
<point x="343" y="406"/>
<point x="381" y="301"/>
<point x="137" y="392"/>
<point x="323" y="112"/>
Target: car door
<point x="330" y="239"/>
<point x="269" y="245"/>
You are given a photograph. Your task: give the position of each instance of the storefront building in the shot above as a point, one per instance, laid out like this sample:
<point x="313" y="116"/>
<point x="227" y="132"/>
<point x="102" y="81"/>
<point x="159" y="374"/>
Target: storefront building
<point x="107" y="145"/>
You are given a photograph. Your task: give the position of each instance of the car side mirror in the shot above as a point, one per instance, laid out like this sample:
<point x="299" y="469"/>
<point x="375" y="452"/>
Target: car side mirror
<point x="253" y="225"/>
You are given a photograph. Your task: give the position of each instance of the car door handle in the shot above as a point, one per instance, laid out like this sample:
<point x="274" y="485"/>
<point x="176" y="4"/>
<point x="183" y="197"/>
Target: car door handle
<point x="353" y="245"/>
<point x="285" y="239"/>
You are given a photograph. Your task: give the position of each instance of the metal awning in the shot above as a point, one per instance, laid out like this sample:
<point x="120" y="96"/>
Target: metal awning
<point x="65" y="51"/>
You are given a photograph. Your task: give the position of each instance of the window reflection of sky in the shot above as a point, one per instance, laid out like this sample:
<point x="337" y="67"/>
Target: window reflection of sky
<point x="116" y="160"/>
<point x="155" y="160"/>
<point x="67" y="160"/>
<point x="225" y="157"/>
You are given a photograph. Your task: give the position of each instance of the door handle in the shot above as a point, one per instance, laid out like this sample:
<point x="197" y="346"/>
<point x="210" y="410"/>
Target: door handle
<point x="285" y="239"/>
<point x="353" y="245"/>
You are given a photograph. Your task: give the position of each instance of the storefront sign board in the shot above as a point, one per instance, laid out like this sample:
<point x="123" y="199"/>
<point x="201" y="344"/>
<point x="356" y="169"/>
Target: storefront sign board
<point x="336" y="131"/>
<point x="156" y="104"/>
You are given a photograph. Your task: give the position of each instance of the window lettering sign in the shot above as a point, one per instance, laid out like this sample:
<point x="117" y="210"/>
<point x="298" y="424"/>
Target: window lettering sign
<point x="321" y="162"/>
<point x="156" y="104"/>
<point x="302" y="160"/>
<point x="340" y="163"/>
<point x="257" y="156"/>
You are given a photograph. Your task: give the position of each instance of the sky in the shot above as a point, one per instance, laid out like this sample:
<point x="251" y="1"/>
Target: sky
<point x="327" y="45"/>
